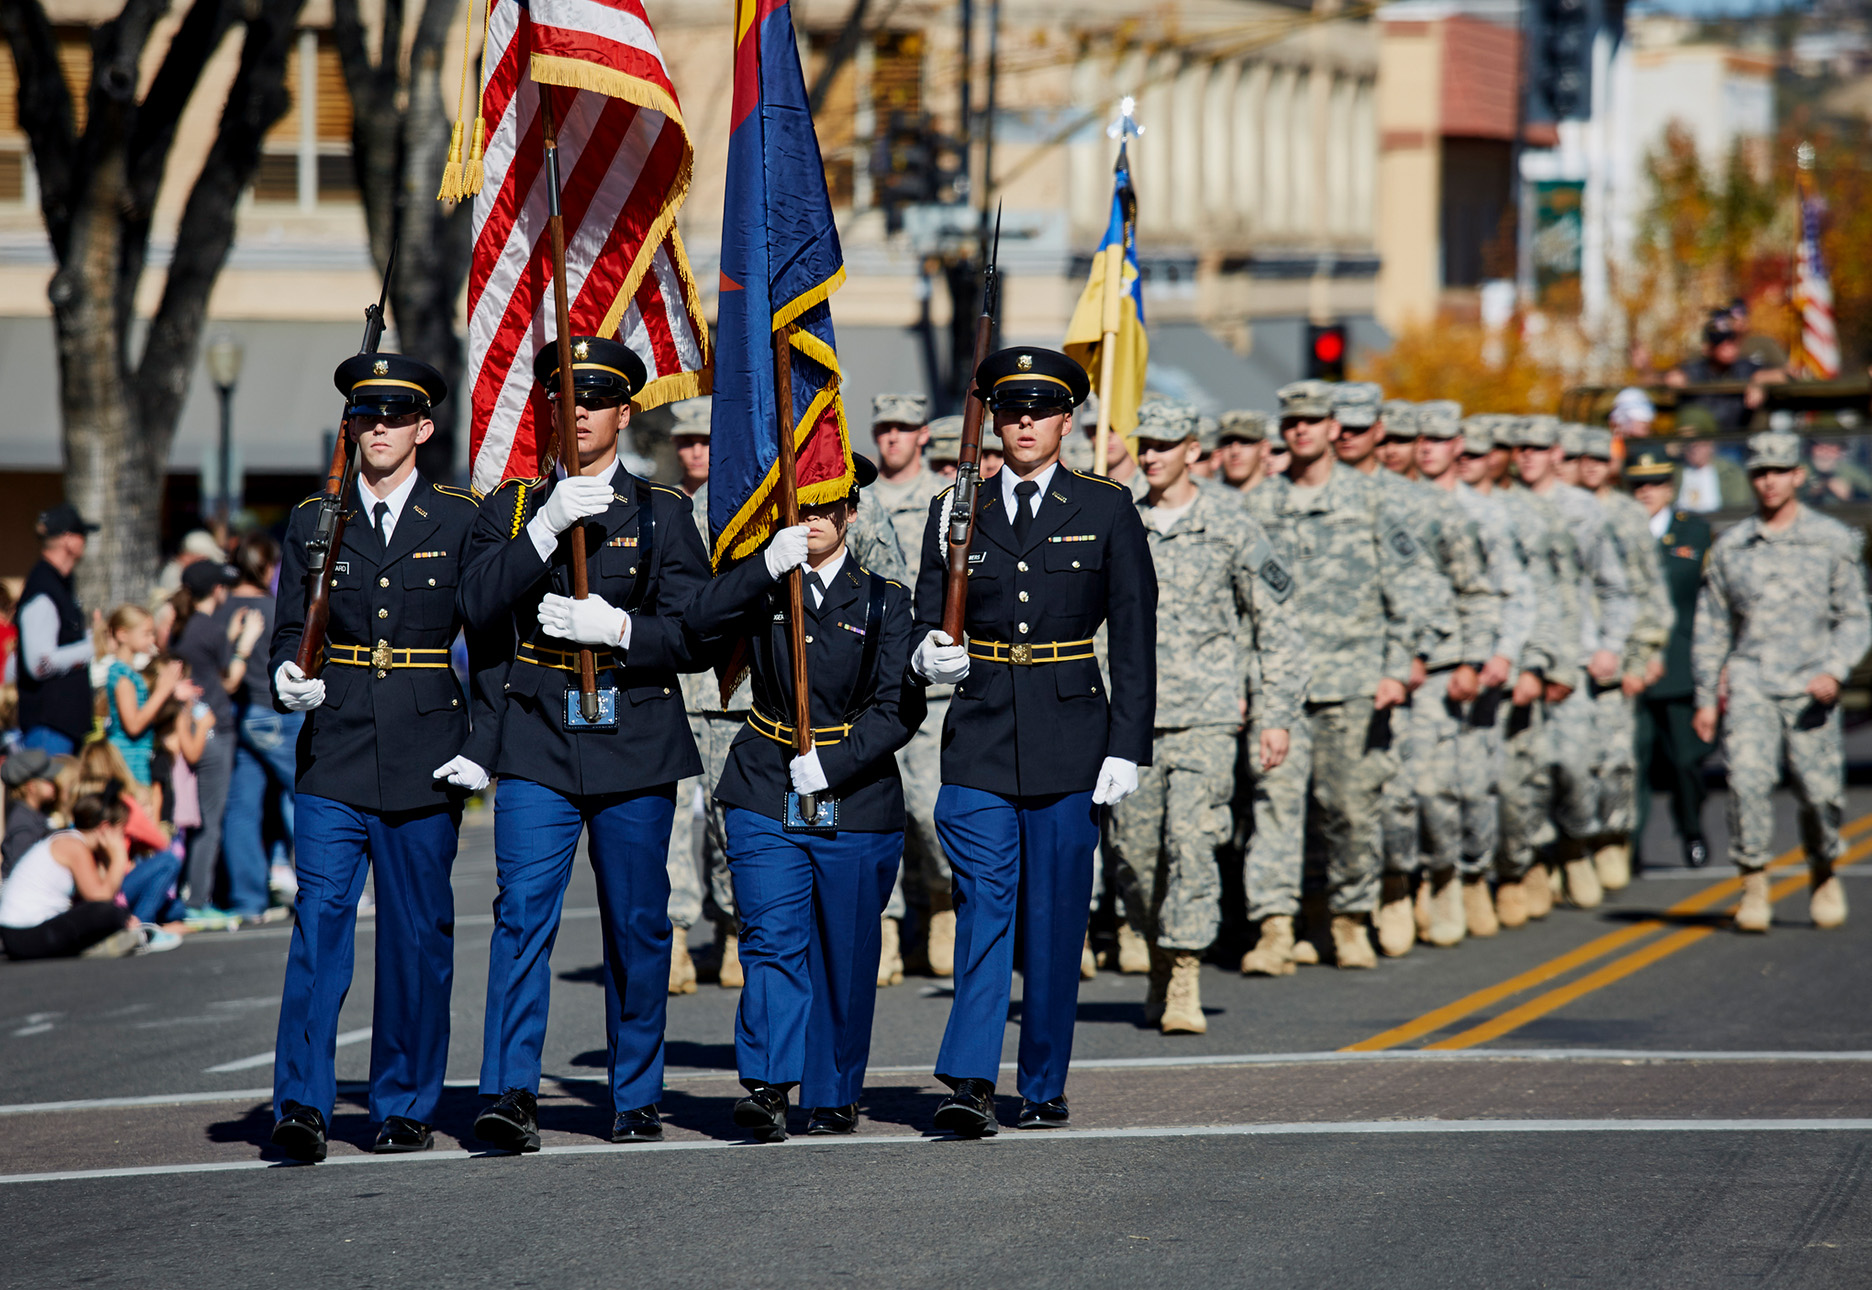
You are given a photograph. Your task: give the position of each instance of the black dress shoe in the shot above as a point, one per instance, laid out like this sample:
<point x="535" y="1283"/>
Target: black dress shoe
<point x="968" y="1112"/>
<point x="1044" y="1115"/>
<point x="826" y="1120"/>
<point x="1696" y="853"/>
<point x="400" y="1133"/>
<point x="510" y="1122"/>
<point x="300" y="1133"/>
<point x="645" y="1124"/>
<point x="762" y="1112"/>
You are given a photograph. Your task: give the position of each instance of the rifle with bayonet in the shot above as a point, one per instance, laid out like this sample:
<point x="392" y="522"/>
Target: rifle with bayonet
<point x="968" y="464"/>
<point x="340" y="486"/>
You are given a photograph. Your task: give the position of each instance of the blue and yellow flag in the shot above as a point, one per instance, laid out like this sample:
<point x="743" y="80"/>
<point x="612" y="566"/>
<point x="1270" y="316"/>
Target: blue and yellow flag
<point x="780" y="262"/>
<point x="1111" y="311"/>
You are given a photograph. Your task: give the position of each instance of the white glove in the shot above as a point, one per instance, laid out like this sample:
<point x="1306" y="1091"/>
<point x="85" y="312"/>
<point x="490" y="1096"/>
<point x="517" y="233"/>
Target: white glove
<point x="786" y="552"/>
<point x="808" y="775"/>
<point x="299" y="692"/>
<point x="940" y="660"/>
<point x="592" y="621"/>
<point x="575" y="498"/>
<point x="1117" y="780"/>
<point x="462" y="773"/>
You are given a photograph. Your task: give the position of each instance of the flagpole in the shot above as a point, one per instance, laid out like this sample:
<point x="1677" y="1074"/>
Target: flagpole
<point x="567" y="407"/>
<point x="788" y="470"/>
<point x="1108" y="353"/>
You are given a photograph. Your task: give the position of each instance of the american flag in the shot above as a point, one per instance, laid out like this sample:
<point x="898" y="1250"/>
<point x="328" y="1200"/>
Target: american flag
<point x="624" y="165"/>
<point x="1817" y="357"/>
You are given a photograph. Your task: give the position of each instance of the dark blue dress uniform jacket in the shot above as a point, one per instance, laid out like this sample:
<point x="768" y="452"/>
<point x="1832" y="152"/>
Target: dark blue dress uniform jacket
<point x="861" y="768"/>
<point x="1045" y="728"/>
<point x="376" y="740"/>
<point x="506" y="581"/>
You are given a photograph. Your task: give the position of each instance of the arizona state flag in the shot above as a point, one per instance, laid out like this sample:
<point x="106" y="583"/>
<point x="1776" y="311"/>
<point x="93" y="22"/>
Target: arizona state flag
<point x="1120" y="313"/>
<point x="780" y="262"/>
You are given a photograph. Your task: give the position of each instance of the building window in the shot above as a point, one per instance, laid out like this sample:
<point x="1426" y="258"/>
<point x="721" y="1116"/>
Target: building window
<point x="1478" y="228"/>
<point x="307" y="158"/>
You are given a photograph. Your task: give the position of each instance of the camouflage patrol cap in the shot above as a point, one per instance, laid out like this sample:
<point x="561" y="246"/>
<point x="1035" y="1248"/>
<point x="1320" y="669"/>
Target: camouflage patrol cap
<point x="1168" y="420"/>
<point x="991" y="440"/>
<point x="1308" y="400"/>
<point x="1440" y="419"/>
<point x="1773" y="450"/>
<point x="899" y="409"/>
<point x="945" y="438"/>
<point x="1530" y="432"/>
<point x="1572" y="440"/>
<point x="1598" y="443"/>
<point x="1208" y="434"/>
<point x="1478" y="433"/>
<point x="1243" y="424"/>
<point x="693" y="417"/>
<point x="1400" y="419"/>
<point x="1357" y="404"/>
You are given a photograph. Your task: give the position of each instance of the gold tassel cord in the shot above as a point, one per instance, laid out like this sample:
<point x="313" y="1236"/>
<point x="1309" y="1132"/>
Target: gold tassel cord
<point x="472" y="174"/>
<point x="451" y="190"/>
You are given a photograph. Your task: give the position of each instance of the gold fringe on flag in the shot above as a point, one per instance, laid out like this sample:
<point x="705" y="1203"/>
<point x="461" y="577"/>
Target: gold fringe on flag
<point x="472" y="174"/>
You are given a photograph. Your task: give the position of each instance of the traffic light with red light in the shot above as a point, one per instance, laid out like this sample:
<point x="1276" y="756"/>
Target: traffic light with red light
<point x="1326" y="351"/>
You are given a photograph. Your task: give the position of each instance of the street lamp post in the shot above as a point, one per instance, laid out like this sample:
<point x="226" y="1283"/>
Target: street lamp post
<point x="224" y="365"/>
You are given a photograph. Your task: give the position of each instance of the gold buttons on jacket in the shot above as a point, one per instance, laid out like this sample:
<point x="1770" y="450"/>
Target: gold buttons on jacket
<point x="1023" y="629"/>
<point x="1021" y="565"/>
<point x="1024" y="597"/>
<point x="383" y="613"/>
<point x="383" y="582"/>
<point x="432" y="582"/>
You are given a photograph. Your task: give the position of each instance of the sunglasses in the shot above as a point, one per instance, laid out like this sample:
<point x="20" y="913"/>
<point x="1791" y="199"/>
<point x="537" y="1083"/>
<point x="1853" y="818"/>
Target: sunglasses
<point x="591" y="402"/>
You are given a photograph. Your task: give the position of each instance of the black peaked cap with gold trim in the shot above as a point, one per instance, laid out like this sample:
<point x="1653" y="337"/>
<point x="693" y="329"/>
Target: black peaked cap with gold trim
<point x="388" y="385"/>
<point x="599" y="366"/>
<point x="1029" y="377"/>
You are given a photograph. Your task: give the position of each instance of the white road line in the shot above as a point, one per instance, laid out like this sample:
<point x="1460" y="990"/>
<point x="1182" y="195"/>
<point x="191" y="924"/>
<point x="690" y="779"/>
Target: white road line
<point x="1375" y="1128"/>
<point x="463" y="920"/>
<point x="266" y="1059"/>
<point x="685" y="1074"/>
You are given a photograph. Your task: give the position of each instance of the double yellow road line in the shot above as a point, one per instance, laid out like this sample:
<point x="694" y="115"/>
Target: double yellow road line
<point x="1617" y="970"/>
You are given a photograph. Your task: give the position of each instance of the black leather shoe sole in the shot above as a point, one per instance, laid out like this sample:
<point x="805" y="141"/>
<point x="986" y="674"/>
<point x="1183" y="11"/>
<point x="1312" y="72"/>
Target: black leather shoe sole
<point x="1030" y="1120"/>
<point x="760" y="1123"/>
<point x="637" y="1133"/>
<point x="403" y="1143"/>
<point x="965" y="1121"/>
<point x="831" y="1123"/>
<point x="504" y="1135"/>
<point x="300" y="1141"/>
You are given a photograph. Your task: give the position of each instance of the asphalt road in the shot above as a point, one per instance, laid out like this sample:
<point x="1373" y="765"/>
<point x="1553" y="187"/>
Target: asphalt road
<point x="1633" y="1095"/>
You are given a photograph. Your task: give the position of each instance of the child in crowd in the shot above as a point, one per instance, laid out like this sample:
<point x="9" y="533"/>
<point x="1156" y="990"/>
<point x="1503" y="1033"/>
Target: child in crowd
<point x="31" y="796"/>
<point x="182" y="730"/>
<point x="132" y="696"/>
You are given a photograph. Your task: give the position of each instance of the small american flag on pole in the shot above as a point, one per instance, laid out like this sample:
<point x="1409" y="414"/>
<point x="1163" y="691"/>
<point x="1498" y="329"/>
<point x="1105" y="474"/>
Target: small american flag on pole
<point x="625" y="159"/>
<point x="1817" y="357"/>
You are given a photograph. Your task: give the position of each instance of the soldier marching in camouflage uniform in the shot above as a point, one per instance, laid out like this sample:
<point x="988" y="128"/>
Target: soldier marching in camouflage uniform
<point x="1783" y="619"/>
<point x="1421" y="804"/>
<point x="1223" y="616"/>
<point x="1241" y="449"/>
<point x="902" y="493"/>
<point x="686" y="902"/>
<point x="1615" y="717"/>
<point x="1359" y="589"/>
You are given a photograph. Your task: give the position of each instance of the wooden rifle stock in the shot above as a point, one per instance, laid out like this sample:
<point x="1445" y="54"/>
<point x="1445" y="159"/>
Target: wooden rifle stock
<point x="968" y="458"/>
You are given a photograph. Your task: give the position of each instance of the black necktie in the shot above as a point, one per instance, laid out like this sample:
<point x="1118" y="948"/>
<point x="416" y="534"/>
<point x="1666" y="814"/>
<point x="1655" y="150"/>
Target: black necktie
<point x="1023" y="512"/>
<point x="815" y="590"/>
<point x="380" y="514"/>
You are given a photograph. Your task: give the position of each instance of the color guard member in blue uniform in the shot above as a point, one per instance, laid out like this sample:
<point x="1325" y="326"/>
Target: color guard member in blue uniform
<point x="810" y="900"/>
<point x="1033" y="746"/>
<point x="560" y="776"/>
<point x="384" y="710"/>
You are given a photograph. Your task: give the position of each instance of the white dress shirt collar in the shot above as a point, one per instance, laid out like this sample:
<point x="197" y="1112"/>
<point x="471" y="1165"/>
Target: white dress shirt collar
<point x="608" y="474"/>
<point x="396" y="500"/>
<point x="825" y="574"/>
<point x="1009" y="479"/>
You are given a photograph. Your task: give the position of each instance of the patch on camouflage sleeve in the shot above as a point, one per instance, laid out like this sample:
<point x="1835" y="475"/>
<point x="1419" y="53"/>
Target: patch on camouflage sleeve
<point x="1402" y="543"/>
<point x="1279" y="581"/>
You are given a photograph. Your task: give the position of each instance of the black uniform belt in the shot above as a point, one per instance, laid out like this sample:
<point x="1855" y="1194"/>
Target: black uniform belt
<point x="782" y="733"/>
<point x="382" y="657"/>
<point x="566" y="660"/>
<point x="1025" y="654"/>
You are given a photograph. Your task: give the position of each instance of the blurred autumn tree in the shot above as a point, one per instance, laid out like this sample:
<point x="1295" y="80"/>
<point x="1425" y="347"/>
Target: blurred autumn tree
<point x="1449" y="359"/>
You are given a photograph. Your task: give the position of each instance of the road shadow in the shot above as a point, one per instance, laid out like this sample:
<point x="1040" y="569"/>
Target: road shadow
<point x="1701" y="918"/>
<point x="593" y="975"/>
<point x="1125" y="1014"/>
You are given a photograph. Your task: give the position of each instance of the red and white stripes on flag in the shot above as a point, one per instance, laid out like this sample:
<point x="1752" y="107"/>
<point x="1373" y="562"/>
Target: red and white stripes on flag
<point x="1818" y="356"/>
<point x="624" y="167"/>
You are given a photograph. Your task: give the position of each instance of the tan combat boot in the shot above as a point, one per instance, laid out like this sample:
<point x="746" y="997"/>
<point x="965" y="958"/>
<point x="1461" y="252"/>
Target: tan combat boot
<point x="1154" y="998"/>
<point x="1306" y="951"/>
<point x="1351" y="947"/>
<point x="1397" y="925"/>
<point x="1538" y="889"/>
<point x="1423" y="907"/>
<point x="1511" y="903"/>
<point x="1755" y="913"/>
<point x="1826" y="905"/>
<point x="1582" y="880"/>
<point x="682" y="973"/>
<point x="1449" y="921"/>
<point x="731" y="978"/>
<point x="1134" y="954"/>
<point x="1612" y="860"/>
<point x="1183" y="1014"/>
<point x="1088" y="961"/>
<point x="1273" y="952"/>
<point x="1478" y="906"/>
<point x="942" y="929"/>
<point x="890" y="954"/>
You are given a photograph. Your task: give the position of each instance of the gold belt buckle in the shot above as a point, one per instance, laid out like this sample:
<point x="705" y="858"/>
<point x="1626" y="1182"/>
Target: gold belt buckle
<point x="380" y="656"/>
<point x="1021" y="654"/>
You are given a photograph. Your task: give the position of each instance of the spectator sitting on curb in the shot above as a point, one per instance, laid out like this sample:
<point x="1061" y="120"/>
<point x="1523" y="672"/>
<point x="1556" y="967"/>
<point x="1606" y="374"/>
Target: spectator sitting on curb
<point x="63" y="897"/>
<point x="31" y="793"/>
